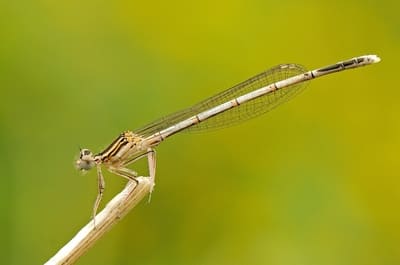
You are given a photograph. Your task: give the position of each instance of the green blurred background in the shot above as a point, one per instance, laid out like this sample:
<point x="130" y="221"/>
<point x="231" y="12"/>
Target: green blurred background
<point x="315" y="181"/>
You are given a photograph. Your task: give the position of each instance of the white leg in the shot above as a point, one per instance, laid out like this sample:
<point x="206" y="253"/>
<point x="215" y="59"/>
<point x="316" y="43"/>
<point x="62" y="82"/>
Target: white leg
<point x="131" y="175"/>
<point x="124" y="172"/>
<point x="151" y="159"/>
<point x="101" y="185"/>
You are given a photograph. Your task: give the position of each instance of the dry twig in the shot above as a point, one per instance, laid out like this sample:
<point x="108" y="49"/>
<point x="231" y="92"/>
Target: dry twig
<point x="117" y="208"/>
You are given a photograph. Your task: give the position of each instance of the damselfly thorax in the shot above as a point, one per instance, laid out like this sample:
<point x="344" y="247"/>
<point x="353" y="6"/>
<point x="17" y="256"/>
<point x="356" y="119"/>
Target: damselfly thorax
<point x="126" y="146"/>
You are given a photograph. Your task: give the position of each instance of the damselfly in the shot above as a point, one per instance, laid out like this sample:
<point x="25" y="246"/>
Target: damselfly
<point x="248" y="99"/>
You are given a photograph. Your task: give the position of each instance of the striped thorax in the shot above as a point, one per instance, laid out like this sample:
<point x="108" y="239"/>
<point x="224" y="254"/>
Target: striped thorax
<point x="126" y="145"/>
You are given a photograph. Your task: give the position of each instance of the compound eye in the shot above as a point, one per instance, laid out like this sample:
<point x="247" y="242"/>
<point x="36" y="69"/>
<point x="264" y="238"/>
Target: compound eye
<point x="86" y="152"/>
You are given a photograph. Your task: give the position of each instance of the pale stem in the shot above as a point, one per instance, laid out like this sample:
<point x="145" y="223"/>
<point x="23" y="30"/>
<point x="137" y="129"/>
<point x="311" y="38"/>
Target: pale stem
<point x="114" y="211"/>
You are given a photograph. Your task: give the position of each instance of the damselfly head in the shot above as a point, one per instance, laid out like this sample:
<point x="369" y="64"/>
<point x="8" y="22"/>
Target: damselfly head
<point x="85" y="161"/>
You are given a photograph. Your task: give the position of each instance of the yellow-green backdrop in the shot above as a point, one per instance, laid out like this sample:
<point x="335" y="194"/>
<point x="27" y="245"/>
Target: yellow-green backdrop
<point x="315" y="181"/>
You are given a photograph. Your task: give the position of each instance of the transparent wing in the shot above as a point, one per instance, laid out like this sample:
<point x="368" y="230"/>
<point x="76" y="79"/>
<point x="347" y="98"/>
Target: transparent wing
<point x="242" y="112"/>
